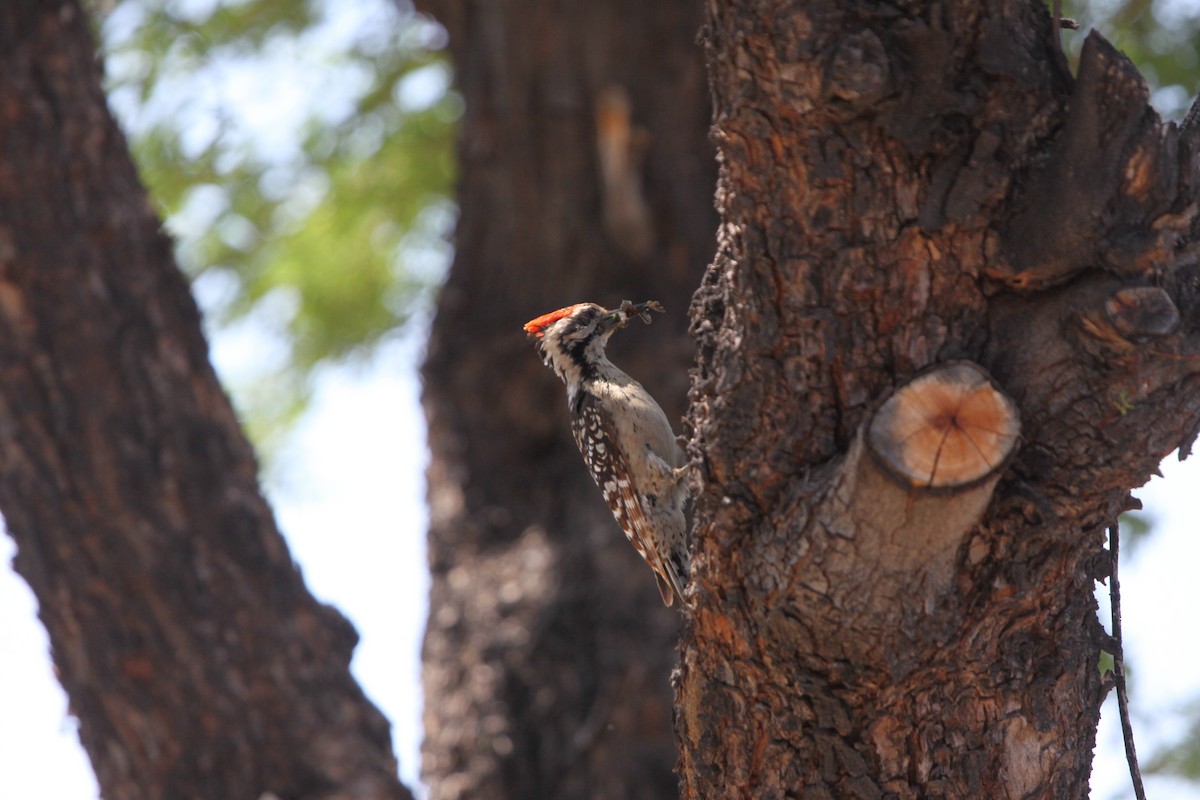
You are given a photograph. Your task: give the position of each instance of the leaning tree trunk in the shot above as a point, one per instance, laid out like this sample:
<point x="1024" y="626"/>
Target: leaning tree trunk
<point x="918" y="190"/>
<point x="586" y="175"/>
<point x="198" y="664"/>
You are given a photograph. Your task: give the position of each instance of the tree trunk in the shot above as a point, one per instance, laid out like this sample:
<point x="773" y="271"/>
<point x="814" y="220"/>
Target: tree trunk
<point x="586" y="175"/>
<point x="904" y="187"/>
<point x="197" y="662"/>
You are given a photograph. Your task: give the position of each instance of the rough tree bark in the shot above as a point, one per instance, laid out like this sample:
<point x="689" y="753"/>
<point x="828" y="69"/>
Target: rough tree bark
<point x="904" y="186"/>
<point x="196" y="661"/>
<point x="586" y="175"/>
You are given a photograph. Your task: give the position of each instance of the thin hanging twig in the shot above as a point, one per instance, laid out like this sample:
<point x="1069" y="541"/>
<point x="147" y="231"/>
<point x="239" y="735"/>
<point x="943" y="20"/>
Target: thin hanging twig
<point x="1114" y="594"/>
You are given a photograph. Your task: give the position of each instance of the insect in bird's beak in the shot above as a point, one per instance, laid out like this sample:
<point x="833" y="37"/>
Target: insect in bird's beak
<point x="619" y="317"/>
<point x="641" y="310"/>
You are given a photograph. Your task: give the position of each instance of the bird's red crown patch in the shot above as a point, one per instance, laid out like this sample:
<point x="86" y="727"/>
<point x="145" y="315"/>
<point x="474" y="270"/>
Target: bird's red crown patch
<point x="537" y="327"/>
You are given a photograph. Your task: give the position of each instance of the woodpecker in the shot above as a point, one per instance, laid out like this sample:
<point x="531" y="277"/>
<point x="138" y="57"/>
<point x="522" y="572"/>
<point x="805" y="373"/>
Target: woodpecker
<point x="623" y="434"/>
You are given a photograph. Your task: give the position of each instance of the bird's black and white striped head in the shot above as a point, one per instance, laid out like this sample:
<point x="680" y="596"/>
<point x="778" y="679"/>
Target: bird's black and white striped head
<point x="571" y="340"/>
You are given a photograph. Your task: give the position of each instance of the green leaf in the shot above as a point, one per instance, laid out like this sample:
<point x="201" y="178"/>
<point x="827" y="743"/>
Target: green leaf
<point x="323" y="225"/>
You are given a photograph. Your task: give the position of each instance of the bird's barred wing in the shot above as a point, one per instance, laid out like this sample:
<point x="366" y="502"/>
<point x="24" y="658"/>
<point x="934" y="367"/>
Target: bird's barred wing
<point x="596" y="435"/>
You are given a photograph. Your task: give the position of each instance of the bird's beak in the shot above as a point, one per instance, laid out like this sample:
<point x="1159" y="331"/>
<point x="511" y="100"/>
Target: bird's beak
<point x="612" y="319"/>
